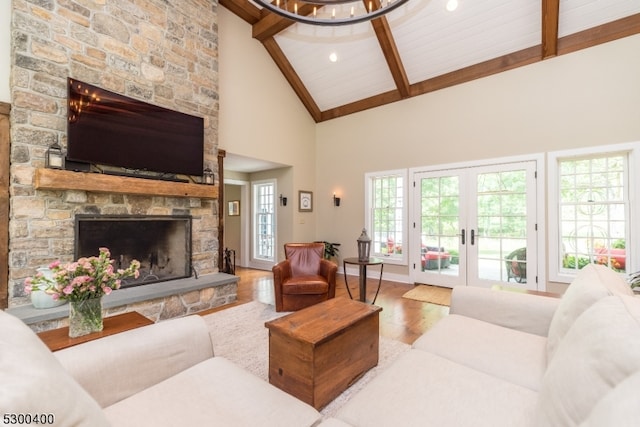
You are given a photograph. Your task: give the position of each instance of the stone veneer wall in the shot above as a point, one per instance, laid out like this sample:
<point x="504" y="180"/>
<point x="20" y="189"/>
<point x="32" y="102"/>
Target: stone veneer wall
<point x="160" y="51"/>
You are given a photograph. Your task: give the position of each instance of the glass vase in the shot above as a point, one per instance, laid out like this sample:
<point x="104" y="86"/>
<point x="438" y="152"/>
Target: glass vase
<point x="85" y="317"/>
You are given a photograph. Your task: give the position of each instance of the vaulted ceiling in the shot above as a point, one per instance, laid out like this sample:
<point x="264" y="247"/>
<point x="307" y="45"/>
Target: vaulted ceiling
<point x="421" y="47"/>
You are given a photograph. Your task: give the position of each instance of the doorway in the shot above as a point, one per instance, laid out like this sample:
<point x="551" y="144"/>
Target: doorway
<point x="237" y="235"/>
<point x="476" y="225"/>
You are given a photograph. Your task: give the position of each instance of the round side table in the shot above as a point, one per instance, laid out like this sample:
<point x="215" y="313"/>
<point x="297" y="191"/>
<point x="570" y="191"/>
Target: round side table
<point x="363" y="275"/>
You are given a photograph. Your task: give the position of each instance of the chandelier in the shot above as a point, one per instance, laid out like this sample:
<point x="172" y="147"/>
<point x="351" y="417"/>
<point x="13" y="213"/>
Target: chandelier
<point x="331" y="12"/>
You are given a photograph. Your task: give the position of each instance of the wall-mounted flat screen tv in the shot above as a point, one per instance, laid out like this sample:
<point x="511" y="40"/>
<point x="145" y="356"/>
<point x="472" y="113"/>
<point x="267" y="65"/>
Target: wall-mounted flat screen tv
<point x="105" y="128"/>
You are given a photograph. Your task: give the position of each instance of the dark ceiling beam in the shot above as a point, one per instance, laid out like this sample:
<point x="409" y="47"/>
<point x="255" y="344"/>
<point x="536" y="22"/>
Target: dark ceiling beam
<point x="292" y="77"/>
<point x="585" y="39"/>
<point x="364" y="104"/>
<point x="244" y="9"/>
<point x="605" y="33"/>
<point x="550" y="19"/>
<point x="271" y="24"/>
<point x="390" y="51"/>
<point x="473" y="72"/>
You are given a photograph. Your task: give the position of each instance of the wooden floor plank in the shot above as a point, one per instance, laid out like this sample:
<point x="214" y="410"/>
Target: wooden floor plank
<point x="401" y="319"/>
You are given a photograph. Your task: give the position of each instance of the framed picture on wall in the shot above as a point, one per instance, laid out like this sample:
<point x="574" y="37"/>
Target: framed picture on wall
<point x="234" y="208"/>
<point x="305" y="201"/>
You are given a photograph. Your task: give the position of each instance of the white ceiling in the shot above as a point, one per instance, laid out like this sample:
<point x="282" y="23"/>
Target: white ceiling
<point x="426" y="43"/>
<point x="430" y="40"/>
<point x="237" y="163"/>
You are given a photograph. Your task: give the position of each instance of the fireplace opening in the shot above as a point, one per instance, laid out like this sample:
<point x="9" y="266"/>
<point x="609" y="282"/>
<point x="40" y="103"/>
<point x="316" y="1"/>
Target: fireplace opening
<point x="162" y="244"/>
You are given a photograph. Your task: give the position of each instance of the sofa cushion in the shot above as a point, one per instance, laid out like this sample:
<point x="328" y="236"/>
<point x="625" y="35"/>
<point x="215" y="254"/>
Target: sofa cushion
<point x="601" y="350"/>
<point x="421" y="389"/>
<point x="305" y="285"/>
<point x="618" y="408"/>
<point x="215" y="392"/>
<point x="515" y="356"/>
<point x="145" y="357"/>
<point x="33" y="382"/>
<point x="591" y="284"/>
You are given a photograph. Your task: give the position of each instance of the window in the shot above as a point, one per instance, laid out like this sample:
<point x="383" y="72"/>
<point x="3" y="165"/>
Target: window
<point x="386" y="215"/>
<point x="592" y="192"/>
<point x="264" y="223"/>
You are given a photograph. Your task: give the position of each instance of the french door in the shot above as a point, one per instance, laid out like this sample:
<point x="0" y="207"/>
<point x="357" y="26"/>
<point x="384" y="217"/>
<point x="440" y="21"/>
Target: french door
<point x="475" y="226"/>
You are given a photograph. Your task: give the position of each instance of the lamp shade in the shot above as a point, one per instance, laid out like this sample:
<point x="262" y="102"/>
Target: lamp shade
<point x="54" y="157"/>
<point x="207" y="176"/>
<point x="364" y="246"/>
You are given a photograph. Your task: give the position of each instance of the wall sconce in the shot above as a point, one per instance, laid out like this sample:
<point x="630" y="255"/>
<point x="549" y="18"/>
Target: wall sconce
<point x="336" y="200"/>
<point x="207" y="176"/>
<point x="54" y="157"/>
<point x="283" y="200"/>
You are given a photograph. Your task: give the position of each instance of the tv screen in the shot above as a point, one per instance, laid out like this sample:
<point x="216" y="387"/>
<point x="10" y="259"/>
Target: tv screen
<point x="105" y="128"/>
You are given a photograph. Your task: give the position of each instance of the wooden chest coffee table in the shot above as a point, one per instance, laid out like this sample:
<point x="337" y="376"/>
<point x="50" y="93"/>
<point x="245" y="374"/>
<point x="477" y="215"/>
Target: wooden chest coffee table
<point x="317" y="353"/>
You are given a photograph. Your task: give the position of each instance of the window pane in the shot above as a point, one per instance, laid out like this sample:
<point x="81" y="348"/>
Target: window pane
<point x="387" y="204"/>
<point x="264" y="221"/>
<point x="593" y="209"/>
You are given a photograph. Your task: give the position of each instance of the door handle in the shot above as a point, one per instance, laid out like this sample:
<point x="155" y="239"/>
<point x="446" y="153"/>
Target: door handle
<point x="473" y="236"/>
<point x="463" y="236"/>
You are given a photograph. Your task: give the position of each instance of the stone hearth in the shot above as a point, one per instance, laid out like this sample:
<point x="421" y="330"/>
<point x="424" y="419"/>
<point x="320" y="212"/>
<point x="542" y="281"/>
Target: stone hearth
<point x="157" y="301"/>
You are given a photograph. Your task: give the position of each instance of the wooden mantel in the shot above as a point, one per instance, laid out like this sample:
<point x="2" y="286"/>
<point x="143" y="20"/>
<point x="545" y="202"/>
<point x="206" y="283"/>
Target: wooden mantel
<point x="55" y="179"/>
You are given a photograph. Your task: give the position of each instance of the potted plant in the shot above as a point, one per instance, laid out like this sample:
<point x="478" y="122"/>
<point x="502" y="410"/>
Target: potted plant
<point x="331" y="250"/>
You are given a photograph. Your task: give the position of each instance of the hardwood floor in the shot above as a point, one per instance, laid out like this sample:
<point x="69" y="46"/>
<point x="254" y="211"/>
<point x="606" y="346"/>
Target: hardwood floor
<point x="400" y="319"/>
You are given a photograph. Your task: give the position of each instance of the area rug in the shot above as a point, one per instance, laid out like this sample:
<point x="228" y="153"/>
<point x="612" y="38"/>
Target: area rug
<point x="238" y="334"/>
<point x="432" y="294"/>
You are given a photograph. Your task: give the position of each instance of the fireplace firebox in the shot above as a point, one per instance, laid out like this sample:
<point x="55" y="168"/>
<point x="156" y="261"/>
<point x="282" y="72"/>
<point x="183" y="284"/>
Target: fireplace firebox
<point x="162" y="244"/>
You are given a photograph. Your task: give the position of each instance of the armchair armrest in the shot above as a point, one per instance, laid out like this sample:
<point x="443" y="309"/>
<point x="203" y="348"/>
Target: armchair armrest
<point x="523" y="312"/>
<point x="328" y="270"/>
<point x="281" y="273"/>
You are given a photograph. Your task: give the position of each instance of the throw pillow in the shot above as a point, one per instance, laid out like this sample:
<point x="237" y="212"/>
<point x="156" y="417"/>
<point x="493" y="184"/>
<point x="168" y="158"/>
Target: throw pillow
<point x="598" y="352"/>
<point x="592" y="283"/>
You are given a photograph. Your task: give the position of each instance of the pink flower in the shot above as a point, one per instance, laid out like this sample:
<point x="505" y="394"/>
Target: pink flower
<point x="88" y="275"/>
<point x="80" y="280"/>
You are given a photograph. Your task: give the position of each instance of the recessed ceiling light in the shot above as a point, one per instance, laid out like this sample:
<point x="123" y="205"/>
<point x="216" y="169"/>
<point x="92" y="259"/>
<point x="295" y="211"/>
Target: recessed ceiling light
<point x="452" y="5"/>
<point x="333" y="57"/>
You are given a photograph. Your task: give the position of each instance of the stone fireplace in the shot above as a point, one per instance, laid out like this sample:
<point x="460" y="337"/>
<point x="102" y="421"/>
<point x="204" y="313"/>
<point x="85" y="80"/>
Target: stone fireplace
<point x="162" y="244"/>
<point x="163" y="53"/>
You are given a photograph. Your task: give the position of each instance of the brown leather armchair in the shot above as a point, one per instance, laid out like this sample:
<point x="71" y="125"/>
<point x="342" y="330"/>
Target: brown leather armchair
<point x="304" y="278"/>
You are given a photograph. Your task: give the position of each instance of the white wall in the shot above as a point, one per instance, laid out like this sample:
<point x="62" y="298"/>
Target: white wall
<point x="587" y="98"/>
<point x="583" y="99"/>
<point x="5" y="49"/>
<point x="261" y="117"/>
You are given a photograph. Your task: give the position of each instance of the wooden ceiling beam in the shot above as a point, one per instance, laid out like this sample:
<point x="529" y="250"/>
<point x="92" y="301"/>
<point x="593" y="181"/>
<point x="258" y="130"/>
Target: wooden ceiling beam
<point x="292" y="77"/>
<point x="473" y="72"/>
<point x="271" y="24"/>
<point x="611" y="31"/>
<point x="550" y="20"/>
<point x="390" y="51"/>
<point x="244" y="9"/>
<point x="550" y="46"/>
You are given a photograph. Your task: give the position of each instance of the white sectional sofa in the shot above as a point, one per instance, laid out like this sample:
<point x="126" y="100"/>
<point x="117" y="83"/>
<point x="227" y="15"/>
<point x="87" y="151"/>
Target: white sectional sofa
<point x="511" y="359"/>
<point x="499" y="359"/>
<point x="159" y="375"/>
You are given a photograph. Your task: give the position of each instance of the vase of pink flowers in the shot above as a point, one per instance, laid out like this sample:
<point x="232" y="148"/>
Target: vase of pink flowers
<point x="83" y="283"/>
